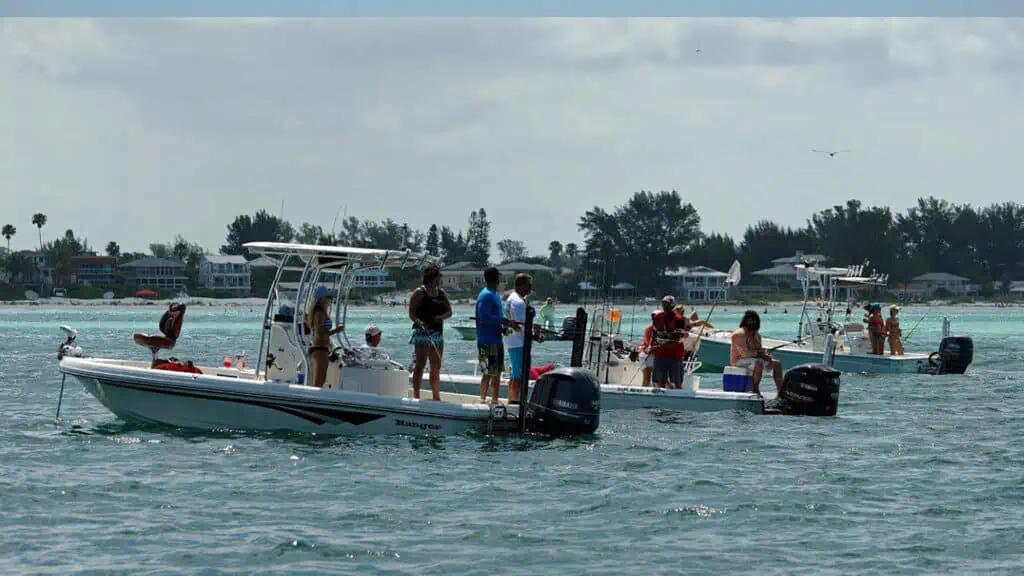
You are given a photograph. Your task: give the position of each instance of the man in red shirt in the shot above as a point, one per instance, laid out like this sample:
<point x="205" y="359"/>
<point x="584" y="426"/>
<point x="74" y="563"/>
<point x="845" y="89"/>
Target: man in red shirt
<point x="667" y="348"/>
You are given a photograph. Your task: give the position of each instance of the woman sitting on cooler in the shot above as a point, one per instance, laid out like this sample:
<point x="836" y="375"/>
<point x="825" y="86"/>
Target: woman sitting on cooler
<point x="746" y="351"/>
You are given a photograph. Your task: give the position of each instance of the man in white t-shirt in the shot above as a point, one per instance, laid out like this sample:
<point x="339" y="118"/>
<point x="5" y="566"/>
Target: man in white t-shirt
<point x="515" y="312"/>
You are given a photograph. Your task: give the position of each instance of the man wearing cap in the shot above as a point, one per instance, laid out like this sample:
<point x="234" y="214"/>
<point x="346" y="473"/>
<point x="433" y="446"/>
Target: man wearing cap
<point x="372" y="334"/>
<point x="667" y="349"/>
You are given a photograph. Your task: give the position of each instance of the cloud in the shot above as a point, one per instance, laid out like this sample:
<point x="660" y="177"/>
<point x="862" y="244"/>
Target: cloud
<point x="134" y="130"/>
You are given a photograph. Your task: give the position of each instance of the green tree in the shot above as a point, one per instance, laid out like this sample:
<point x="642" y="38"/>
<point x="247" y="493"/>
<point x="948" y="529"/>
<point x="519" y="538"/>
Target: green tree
<point x="160" y="249"/>
<point x="433" y="245"/>
<point x="717" y="251"/>
<point x="850" y="235"/>
<point x="478" y="239"/>
<point x="452" y="245"/>
<point x="512" y="250"/>
<point x="39" y="220"/>
<point x="59" y="253"/>
<point x="263" y="227"/>
<point x="8" y="231"/>
<point x="766" y="241"/>
<point x="641" y="240"/>
<point x="311" y="234"/>
<point x="113" y="249"/>
<point x="555" y="253"/>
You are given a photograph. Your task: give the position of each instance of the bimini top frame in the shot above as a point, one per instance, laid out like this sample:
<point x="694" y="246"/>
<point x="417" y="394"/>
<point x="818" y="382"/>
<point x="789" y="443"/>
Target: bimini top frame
<point x="314" y="262"/>
<point x="829" y="281"/>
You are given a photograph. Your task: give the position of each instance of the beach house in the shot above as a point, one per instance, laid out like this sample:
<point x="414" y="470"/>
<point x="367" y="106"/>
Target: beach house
<point x="698" y="284"/>
<point x="225" y="273"/>
<point x="164" y="274"/>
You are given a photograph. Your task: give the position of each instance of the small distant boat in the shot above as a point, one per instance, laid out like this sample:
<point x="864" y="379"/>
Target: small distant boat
<point x="31" y="296"/>
<point x="59" y="293"/>
<point x="146" y="293"/>
<point x="108" y="295"/>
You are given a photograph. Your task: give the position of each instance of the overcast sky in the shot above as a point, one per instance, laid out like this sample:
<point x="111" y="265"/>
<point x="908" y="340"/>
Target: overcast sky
<point x="134" y="130"/>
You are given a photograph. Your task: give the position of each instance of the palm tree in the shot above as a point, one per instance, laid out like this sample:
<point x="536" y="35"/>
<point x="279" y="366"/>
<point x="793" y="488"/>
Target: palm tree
<point x="39" y="220"/>
<point x="8" y="231"/>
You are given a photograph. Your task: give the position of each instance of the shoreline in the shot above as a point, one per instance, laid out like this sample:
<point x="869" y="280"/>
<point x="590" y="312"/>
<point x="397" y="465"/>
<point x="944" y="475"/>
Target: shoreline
<point x="790" y="306"/>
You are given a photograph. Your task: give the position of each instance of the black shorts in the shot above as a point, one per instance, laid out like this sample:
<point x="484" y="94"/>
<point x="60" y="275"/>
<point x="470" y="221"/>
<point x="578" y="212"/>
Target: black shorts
<point x="668" y="370"/>
<point x="492" y="358"/>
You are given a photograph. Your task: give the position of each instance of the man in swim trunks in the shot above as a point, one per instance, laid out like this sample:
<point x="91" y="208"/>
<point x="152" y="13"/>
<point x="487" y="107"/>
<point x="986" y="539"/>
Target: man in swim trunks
<point x="489" y="324"/>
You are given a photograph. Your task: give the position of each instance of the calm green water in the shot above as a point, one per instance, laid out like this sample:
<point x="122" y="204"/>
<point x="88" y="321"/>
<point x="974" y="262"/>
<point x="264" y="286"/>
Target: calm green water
<point x="918" y="475"/>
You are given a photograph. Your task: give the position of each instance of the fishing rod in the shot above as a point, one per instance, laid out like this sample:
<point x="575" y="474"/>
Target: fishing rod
<point x="732" y="279"/>
<point x="925" y="315"/>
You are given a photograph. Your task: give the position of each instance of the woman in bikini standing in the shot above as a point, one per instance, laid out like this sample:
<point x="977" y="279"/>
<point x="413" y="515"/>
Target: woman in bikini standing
<point x="428" y="309"/>
<point x="320" y="325"/>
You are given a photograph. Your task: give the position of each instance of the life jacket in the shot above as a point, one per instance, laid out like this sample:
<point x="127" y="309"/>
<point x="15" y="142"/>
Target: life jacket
<point x="173" y="365"/>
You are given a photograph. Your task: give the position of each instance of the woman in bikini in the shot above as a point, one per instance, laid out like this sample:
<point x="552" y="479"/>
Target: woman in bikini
<point x="428" y="309"/>
<point x="320" y="325"/>
<point x="892" y="328"/>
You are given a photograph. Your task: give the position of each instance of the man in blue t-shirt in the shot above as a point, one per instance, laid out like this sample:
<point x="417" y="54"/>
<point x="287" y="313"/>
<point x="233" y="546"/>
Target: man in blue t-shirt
<point x="490" y="322"/>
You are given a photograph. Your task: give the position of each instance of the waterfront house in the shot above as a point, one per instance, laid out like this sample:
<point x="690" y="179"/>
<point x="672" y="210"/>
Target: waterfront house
<point x="783" y="270"/>
<point x="465" y="277"/>
<point x="698" y="284"/>
<point x="225" y="273"/>
<point x="165" y="274"/>
<point x="926" y="285"/>
<point x="92" y="270"/>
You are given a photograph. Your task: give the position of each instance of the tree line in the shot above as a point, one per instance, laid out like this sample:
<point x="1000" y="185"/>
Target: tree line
<point x="650" y="234"/>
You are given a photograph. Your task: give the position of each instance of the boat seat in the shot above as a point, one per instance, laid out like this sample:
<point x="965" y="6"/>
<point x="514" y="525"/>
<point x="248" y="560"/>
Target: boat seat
<point x="170" y="328"/>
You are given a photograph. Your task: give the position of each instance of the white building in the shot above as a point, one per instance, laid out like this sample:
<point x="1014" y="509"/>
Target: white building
<point x="698" y="284"/>
<point x="783" y="270"/>
<point x="928" y="284"/>
<point x="225" y="273"/>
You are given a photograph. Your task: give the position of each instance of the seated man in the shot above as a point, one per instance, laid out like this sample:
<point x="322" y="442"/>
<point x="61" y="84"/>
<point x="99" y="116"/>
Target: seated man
<point x="373" y="336"/>
<point x="746" y="351"/>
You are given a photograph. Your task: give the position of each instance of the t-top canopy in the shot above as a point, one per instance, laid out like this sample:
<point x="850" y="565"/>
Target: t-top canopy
<point x="340" y="255"/>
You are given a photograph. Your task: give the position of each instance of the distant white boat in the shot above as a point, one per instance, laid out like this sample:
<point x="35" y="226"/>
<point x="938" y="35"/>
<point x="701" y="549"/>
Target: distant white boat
<point x="108" y="295"/>
<point x="31" y="296"/>
<point x="59" y="293"/>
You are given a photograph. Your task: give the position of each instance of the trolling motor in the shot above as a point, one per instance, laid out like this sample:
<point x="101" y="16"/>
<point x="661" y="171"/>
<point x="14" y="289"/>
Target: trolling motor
<point x="68" y="348"/>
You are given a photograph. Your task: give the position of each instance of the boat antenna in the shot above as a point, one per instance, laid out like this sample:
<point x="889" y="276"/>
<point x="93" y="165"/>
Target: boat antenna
<point x="334" y="225"/>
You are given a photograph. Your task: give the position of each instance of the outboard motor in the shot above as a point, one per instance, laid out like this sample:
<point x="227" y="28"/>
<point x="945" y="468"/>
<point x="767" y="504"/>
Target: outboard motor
<point x="564" y="401"/>
<point x="807" y="390"/>
<point x="954" y="356"/>
<point x="568" y="329"/>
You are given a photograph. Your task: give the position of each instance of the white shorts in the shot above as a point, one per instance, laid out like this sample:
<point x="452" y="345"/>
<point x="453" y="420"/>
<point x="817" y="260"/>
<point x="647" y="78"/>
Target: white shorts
<point x="749" y="363"/>
<point x="646" y="360"/>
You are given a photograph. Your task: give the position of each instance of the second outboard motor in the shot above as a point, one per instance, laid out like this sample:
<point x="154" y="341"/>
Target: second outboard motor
<point x="568" y="329"/>
<point x="807" y="390"/>
<point x="954" y="356"/>
<point x="564" y="401"/>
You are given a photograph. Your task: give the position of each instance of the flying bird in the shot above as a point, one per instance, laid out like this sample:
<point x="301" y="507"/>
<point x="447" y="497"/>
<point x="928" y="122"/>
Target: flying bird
<point x="830" y="154"/>
<point x="698" y="51"/>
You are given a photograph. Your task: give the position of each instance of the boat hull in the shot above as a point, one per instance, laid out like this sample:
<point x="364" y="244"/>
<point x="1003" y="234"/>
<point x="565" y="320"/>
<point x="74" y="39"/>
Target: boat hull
<point x="213" y="402"/>
<point x="714" y="357"/>
<point x="622" y="397"/>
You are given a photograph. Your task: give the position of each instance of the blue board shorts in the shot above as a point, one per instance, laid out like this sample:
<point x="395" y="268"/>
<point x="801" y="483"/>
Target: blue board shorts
<point x="515" y="357"/>
<point x="492" y="358"/>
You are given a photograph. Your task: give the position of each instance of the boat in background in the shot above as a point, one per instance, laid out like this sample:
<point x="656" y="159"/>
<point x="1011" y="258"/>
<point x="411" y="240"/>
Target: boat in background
<point x="853" y="352"/>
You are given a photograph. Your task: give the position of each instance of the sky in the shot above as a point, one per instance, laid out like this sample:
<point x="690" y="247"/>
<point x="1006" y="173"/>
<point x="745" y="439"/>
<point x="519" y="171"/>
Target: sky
<point x="135" y="130"/>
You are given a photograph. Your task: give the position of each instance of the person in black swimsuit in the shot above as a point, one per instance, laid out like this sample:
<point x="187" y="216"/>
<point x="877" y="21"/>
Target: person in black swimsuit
<point x="428" y="309"/>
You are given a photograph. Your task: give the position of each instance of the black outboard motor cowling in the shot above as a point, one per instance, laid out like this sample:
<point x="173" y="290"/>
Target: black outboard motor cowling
<point x="954" y="356"/>
<point x="564" y="401"/>
<point x="568" y="329"/>
<point x="808" y="390"/>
